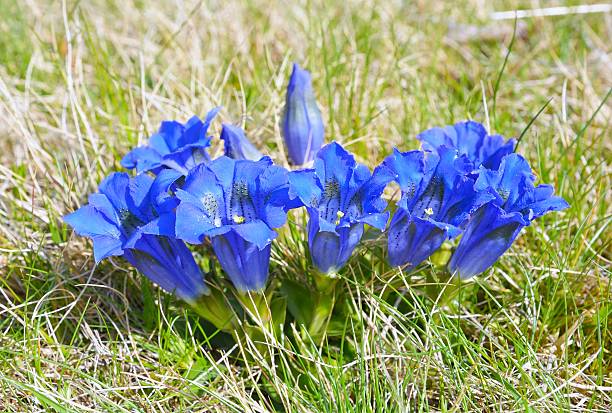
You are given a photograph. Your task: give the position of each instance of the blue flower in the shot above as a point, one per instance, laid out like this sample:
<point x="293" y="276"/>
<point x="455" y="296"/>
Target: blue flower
<point x="340" y="198"/>
<point x="302" y="125"/>
<point x="237" y="146"/>
<point x="175" y="146"/>
<point x="469" y="139"/>
<point x="237" y="204"/>
<point x="437" y="198"/>
<point x="121" y="219"/>
<point x="495" y="226"/>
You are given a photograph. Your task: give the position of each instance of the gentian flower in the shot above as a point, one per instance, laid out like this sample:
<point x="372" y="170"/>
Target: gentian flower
<point x="175" y="146"/>
<point x="237" y="146"/>
<point x="237" y="204"/>
<point x="495" y="226"/>
<point x="121" y="219"/>
<point x="302" y="125"/>
<point x="437" y="197"/>
<point x="340" y="198"/>
<point x="470" y="139"/>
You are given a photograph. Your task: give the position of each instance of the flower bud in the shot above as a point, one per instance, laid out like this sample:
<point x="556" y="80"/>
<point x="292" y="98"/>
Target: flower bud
<point x="302" y="125"/>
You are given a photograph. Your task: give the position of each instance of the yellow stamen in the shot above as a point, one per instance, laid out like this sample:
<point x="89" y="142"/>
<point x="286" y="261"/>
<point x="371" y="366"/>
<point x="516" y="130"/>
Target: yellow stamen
<point x="429" y="211"/>
<point x="339" y="214"/>
<point x="238" y="219"/>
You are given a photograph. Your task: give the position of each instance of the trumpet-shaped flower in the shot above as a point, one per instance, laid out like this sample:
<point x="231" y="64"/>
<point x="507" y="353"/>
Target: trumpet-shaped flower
<point x="340" y="198"/>
<point x="237" y="204"/>
<point x="122" y="221"/>
<point x="470" y="139"/>
<point x="437" y="197"/>
<point x="176" y="146"/>
<point x="237" y="146"/>
<point x="302" y="125"/>
<point x="495" y="226"/>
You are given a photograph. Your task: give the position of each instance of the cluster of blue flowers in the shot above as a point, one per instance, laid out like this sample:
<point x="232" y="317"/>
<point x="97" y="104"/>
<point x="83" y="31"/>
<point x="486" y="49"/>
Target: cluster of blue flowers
<point x="463" y="182"/>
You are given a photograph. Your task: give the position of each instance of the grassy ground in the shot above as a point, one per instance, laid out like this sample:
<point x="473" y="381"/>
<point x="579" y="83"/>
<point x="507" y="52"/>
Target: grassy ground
<point x="82" y="82"/>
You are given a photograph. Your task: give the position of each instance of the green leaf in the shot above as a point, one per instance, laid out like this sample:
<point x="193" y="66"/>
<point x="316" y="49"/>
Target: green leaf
<point x="300" y="301"/>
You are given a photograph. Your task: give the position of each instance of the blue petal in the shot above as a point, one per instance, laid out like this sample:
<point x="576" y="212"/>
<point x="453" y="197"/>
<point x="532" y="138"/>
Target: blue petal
<point x="89" y="222"/>
<point x="494" y="149"/>
<point x="537" y="201"/>
<point x="256" y="233"/>
<point x="201" y="182"/>
<point x="305" y="185"/>
<point x="462" y="201"/>
<point x="355" y="201"/>
<point x="166" y="140"/>
<point x="244" y="263"/>
<point x="246" y="199"/>
<point x="447" y="185"/>
<point x="106" y="247"/>
<point x="139" y="200"/>
<point x="193" y="134"/>
<point x="489" y="234"/>
<point x="107" y="238"/>
<point x="469" y="139"/>
<point x="210" y="116"/>
<point x="129" y="198"/>
<point x="411" y="240"/>
<point x="330" y="251"/>
<point x="142" y="158"/>
<point x="465" y="137"/>
<point x="376" y="220"/>
<point x="202" y="203"/>
<point x="176" y="146"/>
<point x="433" y="138"/>
<point x="540" y="208"/>
<point x="325" y="250"/>
<point x="224" y="171"/>
<point x="164" y="225"/>
<point x="116" y="188"/>
<point x="193" y="223"/>
<point x="168" y="263"/>
<point x="407" y="169"/>
<point x="272" y="199"/>
<point x="349" y="239"/>
<point x="185" y="159"/>
<point x="237" y="146"/>
<point x="302" y="124"/>
<point x="334" y="167"/>
<point x="514" y="172"/>
<point x="101" y="203"/>
<point x="163" y="184"/>
<point x="273" y="184"/>
<point x="371" y="192"/>
<point x="335" y="164"/>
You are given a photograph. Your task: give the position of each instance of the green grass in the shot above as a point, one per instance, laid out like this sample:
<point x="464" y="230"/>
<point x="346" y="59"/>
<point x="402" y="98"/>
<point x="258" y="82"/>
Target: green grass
<point x="81" y="84"/>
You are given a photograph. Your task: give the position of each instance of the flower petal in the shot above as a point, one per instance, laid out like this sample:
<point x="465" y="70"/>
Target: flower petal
<point x="142" y="158"/>
<point x="488" y="235"/>
<point x="305" y="185"/>
<point x="255" y="232"/>
<point x="237" y="146"/>
<point x="89" y="222"/>
<point x="245" y="264"/>
<point x="302" y="124"/>
<point x="411" y="240"/>
<point x="170" y="264"/>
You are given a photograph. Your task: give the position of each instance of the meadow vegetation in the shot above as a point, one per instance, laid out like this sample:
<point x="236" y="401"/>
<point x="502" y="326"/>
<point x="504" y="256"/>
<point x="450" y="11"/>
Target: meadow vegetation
<point x="82" y="82"/>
